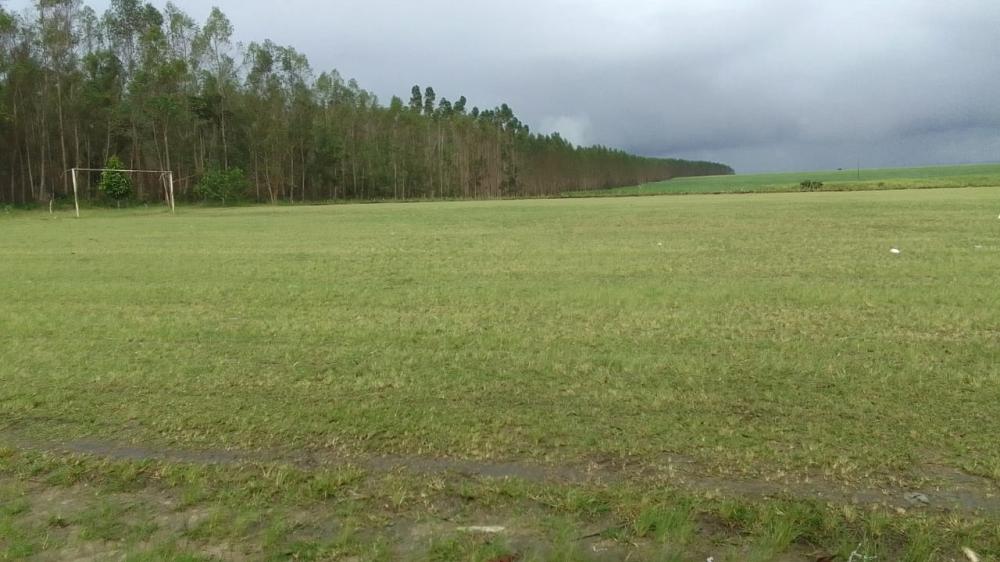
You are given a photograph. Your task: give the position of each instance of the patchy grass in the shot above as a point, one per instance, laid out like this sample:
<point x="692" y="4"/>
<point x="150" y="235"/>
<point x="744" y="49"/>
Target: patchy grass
<point x="249" y="514"/>
<point x="764" y="338"/>
<point x="971" y="175"/>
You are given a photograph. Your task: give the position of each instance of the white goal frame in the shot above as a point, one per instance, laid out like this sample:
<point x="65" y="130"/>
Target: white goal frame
<point x="167" y="173"/>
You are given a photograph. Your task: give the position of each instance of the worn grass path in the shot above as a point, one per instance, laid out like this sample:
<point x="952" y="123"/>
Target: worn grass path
<point x="946" y="489"/>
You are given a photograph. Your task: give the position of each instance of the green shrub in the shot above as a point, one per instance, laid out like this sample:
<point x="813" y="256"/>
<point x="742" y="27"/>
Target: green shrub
<point x="811" y="185"/>
<point x="115" y="184"/>
<point x="222" y="185"/>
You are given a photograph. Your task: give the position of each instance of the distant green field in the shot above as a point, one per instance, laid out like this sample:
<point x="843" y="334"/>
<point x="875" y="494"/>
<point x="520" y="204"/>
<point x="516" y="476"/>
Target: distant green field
<point x="973" y="175"/>
<point x="665" y="378"/>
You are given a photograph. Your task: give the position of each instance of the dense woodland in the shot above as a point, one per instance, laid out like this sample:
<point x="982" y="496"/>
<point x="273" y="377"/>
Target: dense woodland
<point x="161" y="91"/>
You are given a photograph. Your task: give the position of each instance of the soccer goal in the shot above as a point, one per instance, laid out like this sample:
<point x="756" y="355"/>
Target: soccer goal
<point x="165" y="175"/>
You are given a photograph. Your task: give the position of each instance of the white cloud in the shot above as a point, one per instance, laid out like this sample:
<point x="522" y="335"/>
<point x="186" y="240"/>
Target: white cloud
<point x="756" y="83"/>
<point x="575" y="129"/>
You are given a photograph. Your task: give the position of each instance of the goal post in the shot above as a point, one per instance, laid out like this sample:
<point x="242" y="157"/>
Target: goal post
<point x="163" y="174"/>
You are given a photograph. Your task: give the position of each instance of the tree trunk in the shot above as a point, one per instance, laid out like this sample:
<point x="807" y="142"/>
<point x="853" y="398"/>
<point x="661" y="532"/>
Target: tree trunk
<point x="302" y="154"/>
<point x="256" y="176"/>
<point x="107" y="144"/>
<point x="166" y="154"/>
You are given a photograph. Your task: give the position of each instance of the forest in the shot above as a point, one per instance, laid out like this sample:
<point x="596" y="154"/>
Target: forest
<point x="152" y="88"/>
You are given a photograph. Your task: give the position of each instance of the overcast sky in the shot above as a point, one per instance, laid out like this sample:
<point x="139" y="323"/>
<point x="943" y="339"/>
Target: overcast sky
<point x="758" y="84"/>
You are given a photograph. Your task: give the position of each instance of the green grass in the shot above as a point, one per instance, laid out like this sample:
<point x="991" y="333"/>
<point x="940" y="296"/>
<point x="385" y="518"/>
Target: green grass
<point x="754" y="337"/>
<point x="972" y="175"/>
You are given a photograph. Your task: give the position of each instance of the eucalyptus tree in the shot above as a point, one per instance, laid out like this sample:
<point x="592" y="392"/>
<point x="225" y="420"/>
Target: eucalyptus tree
<point x="56" y="21"/>
<point x="8" y="139"/>
<point x="102" y="90"/>
<point x="328" y="143"/>
<point x="213" y="48"/>
<point x="266" y="131"/>
<point x="159" y="89"/>
<point x="296" y="79"/>
<point x="124" y="22"/>
<point x="416" y="99"/>
<point x="429" y="98"/>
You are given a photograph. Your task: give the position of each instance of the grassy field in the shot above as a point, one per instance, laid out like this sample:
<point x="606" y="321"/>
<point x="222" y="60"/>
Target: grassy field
<point x="743" y="377"/>
<point x="973" y="175"/>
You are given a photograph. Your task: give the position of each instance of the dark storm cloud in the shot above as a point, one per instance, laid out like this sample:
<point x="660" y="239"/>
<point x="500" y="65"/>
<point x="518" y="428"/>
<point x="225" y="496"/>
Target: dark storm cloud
<point x="759" y="84"/>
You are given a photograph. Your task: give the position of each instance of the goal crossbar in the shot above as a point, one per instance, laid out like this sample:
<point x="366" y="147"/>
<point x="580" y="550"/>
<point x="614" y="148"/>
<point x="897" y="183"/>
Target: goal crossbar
<point x="168" y="173"/>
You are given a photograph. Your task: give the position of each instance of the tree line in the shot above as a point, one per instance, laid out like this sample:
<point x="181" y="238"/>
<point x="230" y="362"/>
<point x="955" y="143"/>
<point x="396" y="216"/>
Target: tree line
<point x="157" y="90"/>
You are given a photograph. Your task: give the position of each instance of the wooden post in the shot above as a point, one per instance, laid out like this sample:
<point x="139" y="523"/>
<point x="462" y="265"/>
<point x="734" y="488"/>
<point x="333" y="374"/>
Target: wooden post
<point x="76" y="196"/>
<point x="170" y="177"/>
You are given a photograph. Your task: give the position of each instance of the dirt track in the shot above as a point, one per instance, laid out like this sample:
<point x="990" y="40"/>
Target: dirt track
<point x="944" y="488"/>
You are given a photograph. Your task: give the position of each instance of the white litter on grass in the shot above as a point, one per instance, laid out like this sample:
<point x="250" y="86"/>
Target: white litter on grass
<point x="856" y="556"/>
<point x="895" y="251"/>
<point x="488" y="529"/>
<point x="970" y="554"/>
